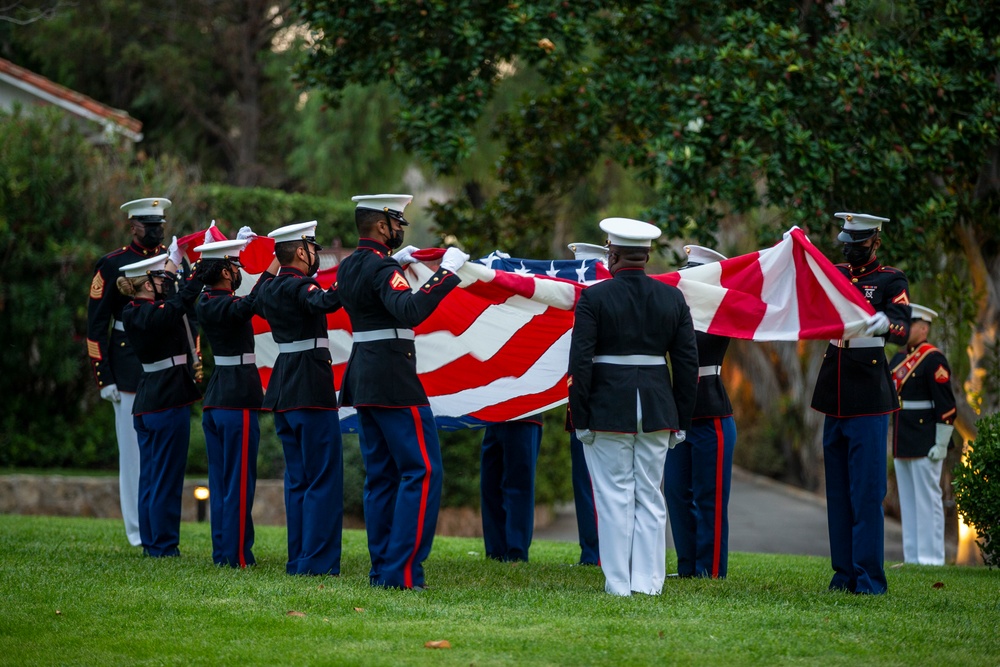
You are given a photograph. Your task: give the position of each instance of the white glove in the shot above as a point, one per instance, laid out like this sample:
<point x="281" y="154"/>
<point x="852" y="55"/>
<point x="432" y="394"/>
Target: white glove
<point x="585" y="435"/>
<point x="110" y="393"/>
<point x="877" y="324"/>
<point x="244" y="234"/>
<point x="176" y="256"/>
<point x="675" y="438"/>
<point x="405" y="255"/>
<point x="942" y="436"/>
<point x="208" y="233"/>
<point x="453" y="259"/>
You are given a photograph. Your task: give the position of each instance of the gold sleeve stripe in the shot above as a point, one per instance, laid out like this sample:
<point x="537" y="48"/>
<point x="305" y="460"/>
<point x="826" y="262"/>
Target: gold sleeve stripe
<point x="94" y="350"/>
<point x="97" y="286"/>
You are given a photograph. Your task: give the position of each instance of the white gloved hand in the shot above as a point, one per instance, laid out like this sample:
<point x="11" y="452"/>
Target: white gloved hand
<point x="405" y="255"/>
<point x="208" y="234"/>
<point x="453" y="259"/>
<point x="110" y="393"/>
<point x="676" y="437"/>
<point x="942" y="438"/>
<point x="585" y="435"/>
<point x="877" y="324"/>
<point x="244" y="234"/>
<point x="176" y="256"/>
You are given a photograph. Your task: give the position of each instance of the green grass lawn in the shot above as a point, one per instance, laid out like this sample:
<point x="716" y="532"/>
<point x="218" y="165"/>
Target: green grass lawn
<point x="72" y="592"/>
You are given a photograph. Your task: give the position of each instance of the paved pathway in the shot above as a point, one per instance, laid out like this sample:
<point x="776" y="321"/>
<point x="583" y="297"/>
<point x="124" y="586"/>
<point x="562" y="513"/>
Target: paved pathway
<point x="765" y="516"/>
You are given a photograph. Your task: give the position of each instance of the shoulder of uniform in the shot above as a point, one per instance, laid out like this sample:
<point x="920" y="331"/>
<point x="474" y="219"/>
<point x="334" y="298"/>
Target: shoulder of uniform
<point x="893" y="270"/>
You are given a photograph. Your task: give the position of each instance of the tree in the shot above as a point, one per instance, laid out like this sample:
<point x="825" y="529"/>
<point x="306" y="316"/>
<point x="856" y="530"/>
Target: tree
<point x="726" y="110"/>
<point x="200" y="75"/>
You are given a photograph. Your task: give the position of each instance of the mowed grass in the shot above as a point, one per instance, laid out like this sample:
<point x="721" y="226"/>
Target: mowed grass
<point x="72" y="592"/>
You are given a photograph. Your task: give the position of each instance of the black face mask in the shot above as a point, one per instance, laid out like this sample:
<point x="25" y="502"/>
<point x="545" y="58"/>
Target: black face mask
<point x="237" y="276"/>
<point x="856" y="254"/>
<point x="152" y="236"/>
<point x="167" y="289"/>
<point x="314" y="264"/>
<point x="395" y="238"/>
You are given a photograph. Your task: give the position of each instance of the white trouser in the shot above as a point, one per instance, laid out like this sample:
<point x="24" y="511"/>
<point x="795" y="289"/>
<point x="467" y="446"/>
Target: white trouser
<point x="128" y="466"/>
<point x="921" y="510"/>
<point x="626" y="471"/>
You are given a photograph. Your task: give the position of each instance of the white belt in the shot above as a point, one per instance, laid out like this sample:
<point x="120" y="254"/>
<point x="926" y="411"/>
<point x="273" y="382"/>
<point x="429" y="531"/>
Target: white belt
<point x="631" y="359"/>
<point x="236" y="360"/>
<point x="859" y="342"/>
<point x="917" y="405"/>
<point x="164" y="364"/>
<point x="118" y="325"/>
<point x="303" y="345"/>
<point x="382" y="334"/>
<point x="709" y="370"/>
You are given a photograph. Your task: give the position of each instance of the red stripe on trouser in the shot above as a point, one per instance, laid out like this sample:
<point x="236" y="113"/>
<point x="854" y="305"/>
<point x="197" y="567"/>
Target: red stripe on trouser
<point x="244" y="446"/>
<point x="720" y="455"/>
<point x="424" y="492"/>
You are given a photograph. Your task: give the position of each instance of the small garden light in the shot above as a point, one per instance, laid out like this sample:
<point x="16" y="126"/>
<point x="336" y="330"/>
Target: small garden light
<point x="201" y="495"/>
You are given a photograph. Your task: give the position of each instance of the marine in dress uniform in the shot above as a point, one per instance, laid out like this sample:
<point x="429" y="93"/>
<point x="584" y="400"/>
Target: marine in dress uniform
<point x="855" y="392"/>
<point x="699" y="471"/>
<point x="112" y="359"/>
<point x="157" y="331"/>
<point x="398" y="436"/>
<point x="302" y="396"/>
<point x="922" y="431"/>
<point x="583" y="488"/>
<point x="626" y="408"/>
<point x="508" y="458"/>
<point x="233" y="399"/>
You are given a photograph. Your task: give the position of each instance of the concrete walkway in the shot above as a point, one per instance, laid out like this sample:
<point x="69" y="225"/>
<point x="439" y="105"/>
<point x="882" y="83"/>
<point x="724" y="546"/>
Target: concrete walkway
<point x="765" y="516"/>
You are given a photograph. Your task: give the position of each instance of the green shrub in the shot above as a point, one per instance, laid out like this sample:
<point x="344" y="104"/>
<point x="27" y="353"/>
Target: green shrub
<point x="264" y="210"/>
<point x="977" y="487"/>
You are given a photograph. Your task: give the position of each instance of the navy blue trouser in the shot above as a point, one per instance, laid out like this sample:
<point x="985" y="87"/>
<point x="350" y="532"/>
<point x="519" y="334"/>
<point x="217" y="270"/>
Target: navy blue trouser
<point x="163" y="450"/>
<point x="854" y="457"/>
<point x="507" y="488"/>
<point x="583" y="499"/>
<point x="231" y="440"/>
<point x="696" y="481"/>
<point x="403" y="478"/>
<point x="314" y="489"/>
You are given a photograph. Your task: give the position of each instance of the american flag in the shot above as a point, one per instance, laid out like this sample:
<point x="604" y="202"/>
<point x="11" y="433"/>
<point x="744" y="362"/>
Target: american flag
<point x="497" y="348"/>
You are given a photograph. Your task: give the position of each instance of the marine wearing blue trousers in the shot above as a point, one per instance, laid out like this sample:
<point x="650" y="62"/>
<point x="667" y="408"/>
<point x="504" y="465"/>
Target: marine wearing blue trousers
<point x="583" y="502"/>
<point x="233" y="399"/>
<point x="508" y="458"/>
<point x="399" y="444"/>
<point x="698" y="472"/>
<point x="155" y="326"/>
<point x="302" y="396"/>
<point x="855" y="392"/>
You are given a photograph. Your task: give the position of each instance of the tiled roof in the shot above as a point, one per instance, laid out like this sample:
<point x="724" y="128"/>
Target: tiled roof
<point x="72" y="101"/>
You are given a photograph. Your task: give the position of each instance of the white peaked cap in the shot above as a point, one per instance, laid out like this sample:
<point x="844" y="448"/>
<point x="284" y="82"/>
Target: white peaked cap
<point x="698" y="254"/>
<point x="222" y="249"/>
<point x="296" y="232"/>
<point x="146" y="266"/>
<point x="630" y="233"/>
<point x="924" y="313"/>
<point x="383" y="202"/>
<point x="148" y="206"/>
<point x="588" y="251"/>
<point x="858" y="222"/>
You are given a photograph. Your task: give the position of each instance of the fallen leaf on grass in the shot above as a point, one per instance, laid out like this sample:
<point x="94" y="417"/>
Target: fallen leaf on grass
<point x="938" y="584"/>
<point x="661" y="634"/>
<point x="440" y="643"/>
<point x="896" y="566"/>
<point x="58" y="613"/>
<point x="360" y="610"/>
<point x="295" y="613"/>
<point x="320" y="587"/>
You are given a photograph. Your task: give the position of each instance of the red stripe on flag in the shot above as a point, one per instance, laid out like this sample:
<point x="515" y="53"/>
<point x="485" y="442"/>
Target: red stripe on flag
<point x="741" y="309"/>
<point x="520" y="405"/>
<point x="818" y="317"/>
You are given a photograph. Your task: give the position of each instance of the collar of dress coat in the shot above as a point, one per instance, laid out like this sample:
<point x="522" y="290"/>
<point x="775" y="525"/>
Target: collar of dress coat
<point x="864" y="270"/>
<point x="291" y="271"/>
<point x="372" y="244"/>
<point x="630" y="271"/>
